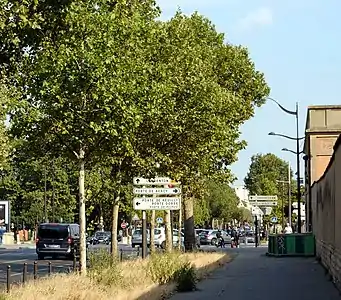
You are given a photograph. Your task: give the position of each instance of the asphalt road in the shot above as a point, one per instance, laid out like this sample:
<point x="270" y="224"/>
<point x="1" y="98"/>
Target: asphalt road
<point x="16" y="258"/>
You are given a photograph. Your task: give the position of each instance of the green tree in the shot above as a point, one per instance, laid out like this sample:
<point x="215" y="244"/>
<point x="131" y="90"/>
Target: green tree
<point x="5" y="143"/>
<point x="26" y="183"/>
<point x="222" y="201"/>
<point x="268" y="175"/>
<point x="80" y="82"/>
<point x="242" y="214"/>
<point x="210" y="89"/>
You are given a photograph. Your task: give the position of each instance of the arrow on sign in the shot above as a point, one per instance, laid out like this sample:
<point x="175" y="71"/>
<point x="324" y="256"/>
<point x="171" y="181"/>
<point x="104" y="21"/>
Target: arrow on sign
<point x="137" y="203"/>
<point x="137" y="180"/>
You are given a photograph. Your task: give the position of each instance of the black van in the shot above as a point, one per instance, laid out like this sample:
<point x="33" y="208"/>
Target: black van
<point x="57" y="239"/>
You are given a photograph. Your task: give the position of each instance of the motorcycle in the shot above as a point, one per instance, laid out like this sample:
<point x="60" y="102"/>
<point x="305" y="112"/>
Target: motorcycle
<point x="220" y="243"/>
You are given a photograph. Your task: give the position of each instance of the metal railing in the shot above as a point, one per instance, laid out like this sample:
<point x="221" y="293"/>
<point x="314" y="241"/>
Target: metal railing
<point x="25" y="275"/>
<point x="31" y="271"/>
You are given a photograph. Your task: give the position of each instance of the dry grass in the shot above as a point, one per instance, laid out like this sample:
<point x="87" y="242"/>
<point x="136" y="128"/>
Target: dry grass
<point x="134" y="281"/>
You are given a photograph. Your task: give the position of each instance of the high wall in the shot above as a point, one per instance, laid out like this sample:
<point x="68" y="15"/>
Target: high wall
<point x="323" y="126"/>
<point x="326" y="217"/>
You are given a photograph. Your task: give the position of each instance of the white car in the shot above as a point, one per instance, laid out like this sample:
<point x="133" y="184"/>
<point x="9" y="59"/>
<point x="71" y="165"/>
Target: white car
<point x="160" y="237"/>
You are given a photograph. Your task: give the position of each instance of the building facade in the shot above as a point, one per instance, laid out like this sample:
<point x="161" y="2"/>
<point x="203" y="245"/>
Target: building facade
<point x="323" y="126"/>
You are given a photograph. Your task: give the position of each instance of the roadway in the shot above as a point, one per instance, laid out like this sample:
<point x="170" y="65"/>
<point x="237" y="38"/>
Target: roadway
<point x="16" y="258"/>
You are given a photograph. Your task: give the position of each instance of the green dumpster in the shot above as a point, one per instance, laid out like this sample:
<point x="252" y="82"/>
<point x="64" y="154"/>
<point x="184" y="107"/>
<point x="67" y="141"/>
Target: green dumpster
<point x="298" y="244"/>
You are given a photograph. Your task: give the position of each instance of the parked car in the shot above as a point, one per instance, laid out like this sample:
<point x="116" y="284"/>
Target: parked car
<point x="102" y="237"/>
<point x="160" y="237"/>
<point x="210" y="237"/>
<point x="57" y="239"/>
<point x="136" y="239"/>
<point x="197" y="235"/>
<point x="249" y="236"/>
<point x="89" y="240"/>
<point x="92" y="240"/>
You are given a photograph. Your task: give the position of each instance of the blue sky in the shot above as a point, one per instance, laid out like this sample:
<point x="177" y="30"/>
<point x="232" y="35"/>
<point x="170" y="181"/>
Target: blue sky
<point x="295" y="43"/>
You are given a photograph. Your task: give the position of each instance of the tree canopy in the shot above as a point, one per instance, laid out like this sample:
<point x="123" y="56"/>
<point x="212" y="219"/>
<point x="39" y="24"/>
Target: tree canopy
<point x="268" y="175"/>
<point x="105" y="90"/>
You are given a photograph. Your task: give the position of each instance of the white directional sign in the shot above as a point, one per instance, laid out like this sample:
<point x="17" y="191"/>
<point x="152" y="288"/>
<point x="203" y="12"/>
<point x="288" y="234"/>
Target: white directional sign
<point x="263" y="203"/>
<point x="157" y="203"/>
<point x="152" y="181"/>
<point x="262" y="198"/>
<point x="157" y="191"/>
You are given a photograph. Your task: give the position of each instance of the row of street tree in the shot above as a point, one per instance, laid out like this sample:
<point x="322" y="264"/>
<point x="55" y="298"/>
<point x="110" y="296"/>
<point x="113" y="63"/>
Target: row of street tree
<point x="105" y="90"/>
<point x="268" y="175"/>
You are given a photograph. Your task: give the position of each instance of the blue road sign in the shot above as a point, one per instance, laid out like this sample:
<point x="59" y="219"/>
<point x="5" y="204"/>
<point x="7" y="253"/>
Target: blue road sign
<point x="159" y="220"/>
<point x="274" y="219"/>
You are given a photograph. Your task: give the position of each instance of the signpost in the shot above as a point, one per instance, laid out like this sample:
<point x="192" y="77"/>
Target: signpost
<point x="274" y="220"/>
<point x="263" y="198"/>
<point x="157" y="203"/>
<point x="170" y="200"/>
<point x="157" y="191"/>
<point x="263" y="201"/>
<point x="153" y="181"/>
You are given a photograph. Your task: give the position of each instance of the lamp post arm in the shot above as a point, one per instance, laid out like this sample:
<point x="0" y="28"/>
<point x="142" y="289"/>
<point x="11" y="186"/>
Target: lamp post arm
<point x="290" y="112"/>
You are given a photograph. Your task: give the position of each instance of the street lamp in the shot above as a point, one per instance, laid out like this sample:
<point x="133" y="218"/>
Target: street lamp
<point x="292" y="151"/>
<point x="294" y="113"/>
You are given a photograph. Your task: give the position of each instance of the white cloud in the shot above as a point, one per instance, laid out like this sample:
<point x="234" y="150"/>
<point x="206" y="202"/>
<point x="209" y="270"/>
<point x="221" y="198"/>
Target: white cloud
<point x="260" y="17"/>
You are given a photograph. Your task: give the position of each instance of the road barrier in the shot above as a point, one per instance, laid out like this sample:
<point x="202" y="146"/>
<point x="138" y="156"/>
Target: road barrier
<point x="25" y="274"/>
<point x="298" y="244"/>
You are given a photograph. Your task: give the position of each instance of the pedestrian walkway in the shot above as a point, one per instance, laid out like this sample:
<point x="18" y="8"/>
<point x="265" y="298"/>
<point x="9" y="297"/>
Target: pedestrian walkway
<point x="252" y="275"/>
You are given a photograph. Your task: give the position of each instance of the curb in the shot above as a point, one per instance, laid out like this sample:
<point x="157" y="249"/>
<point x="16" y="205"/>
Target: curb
<point x="17" y="247"/>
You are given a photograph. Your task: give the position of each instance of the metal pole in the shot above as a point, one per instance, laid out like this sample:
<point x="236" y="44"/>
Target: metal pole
<point x="53" y="192"/>
<point x="45" y="188"/>
<point x="49" y="269"/>
<point x="289" y="193"/>
<point x="256" y="231"/>
<point x="8" y="281"/>
<point x="283" y="225"/>
<point x="35" y="270"/>
<point x="144" y="234"/>
<point x="24" y="273"/>
<point x="171" y="225"/>
<point x="298" y="173"/>
<point x="74" y="263"/>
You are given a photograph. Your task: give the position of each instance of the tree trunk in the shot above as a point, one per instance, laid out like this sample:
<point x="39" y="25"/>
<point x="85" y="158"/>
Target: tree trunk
<point x="152" y="226"/>
<point x="114" y="227"/>
<point x="168" y="231"/>
<point x="82" y="215"/>
<point x="189" y="223"/>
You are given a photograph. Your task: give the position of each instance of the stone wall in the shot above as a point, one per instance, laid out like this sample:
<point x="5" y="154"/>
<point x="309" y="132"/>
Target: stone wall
<point x="326" y="215"/>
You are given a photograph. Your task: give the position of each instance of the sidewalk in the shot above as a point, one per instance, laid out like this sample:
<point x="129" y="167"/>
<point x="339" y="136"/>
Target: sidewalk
<point x="252" y="275"/>
<point x="25" y="245"/>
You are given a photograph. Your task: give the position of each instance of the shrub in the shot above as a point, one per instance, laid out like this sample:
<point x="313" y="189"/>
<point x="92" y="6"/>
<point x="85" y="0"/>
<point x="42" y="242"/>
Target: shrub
<point x="163" y="267"/>
<point x="104" y="268"/>
<point x="186" y="278"/>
